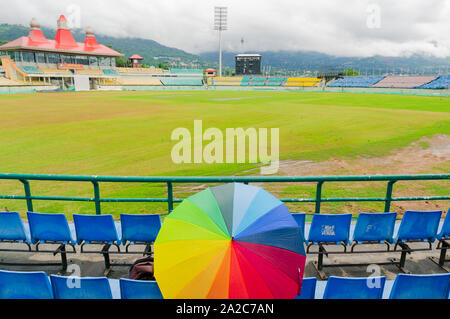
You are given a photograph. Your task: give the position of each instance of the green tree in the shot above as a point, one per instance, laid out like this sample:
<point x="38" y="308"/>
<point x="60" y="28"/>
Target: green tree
<point x="350" y="72"/>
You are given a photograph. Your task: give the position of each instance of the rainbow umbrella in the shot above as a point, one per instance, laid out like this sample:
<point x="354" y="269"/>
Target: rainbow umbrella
<point x="232" y="241"/>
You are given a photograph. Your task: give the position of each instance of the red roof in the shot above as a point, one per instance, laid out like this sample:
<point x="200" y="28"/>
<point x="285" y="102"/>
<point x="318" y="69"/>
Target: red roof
<point x="63" y="43"/>
<point x="210" y="70"/>
<point x="136" y="57"/>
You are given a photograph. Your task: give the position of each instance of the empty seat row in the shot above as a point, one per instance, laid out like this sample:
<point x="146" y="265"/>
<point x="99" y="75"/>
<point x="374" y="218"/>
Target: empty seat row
<point x="404" y="287"/>
<point x="51" y="228"/>
<point x="442" y="82"/>
<point x="37" y="285"/>
<point x="375" y="228"/>
<point x="356" y="81"/>
<point x="403" y="82"/>
<point x="89" y="229"/>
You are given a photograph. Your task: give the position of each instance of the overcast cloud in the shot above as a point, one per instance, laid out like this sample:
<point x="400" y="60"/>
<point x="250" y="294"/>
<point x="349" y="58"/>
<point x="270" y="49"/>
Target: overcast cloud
<point x="338" y="27"/>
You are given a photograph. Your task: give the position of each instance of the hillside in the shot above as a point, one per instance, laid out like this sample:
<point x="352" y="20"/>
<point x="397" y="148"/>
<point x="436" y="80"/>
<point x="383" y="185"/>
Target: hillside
<point x="302" y="61"/>
<point x="148" y="49"/>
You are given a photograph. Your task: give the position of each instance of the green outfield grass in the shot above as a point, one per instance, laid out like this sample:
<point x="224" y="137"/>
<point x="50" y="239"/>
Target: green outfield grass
<point x="128" y="133"/>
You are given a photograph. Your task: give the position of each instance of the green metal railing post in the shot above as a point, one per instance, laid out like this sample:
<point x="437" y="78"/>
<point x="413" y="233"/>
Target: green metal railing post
<point x="26" y="186"/>
<point x="170" y="196"/>
<point x="318" y="196"/>
<point x="98" y="209"/>
<point x="387" y="205"/>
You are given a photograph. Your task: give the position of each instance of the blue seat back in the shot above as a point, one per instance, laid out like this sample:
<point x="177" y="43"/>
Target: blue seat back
<point x="49" y="227"/>
<point x="445" y="231"/>
<point x="24" y="285"/>
<point x="300" y="219"/>
<point x="375" y="227"/>
<point x="95" y="228"/>
<point x="421" y="287"/>
<point x="418" y="225"/>
<point x="330" y="228"/>
<point x="141" y="228"/>
<point x="11" y="227"/>
<point x="308" y="288"/>
<point x="80" y="288"/>
<point x="139" y="289"/>
<point x="354" y="288"/>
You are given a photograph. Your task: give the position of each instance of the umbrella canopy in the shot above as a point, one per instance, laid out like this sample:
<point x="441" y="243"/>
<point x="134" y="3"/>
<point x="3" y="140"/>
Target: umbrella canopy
<point x="232" y="241"/>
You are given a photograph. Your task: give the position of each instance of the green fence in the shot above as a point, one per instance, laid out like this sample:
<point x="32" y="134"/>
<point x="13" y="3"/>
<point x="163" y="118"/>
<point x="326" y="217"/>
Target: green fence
<point x="171" y="181"/>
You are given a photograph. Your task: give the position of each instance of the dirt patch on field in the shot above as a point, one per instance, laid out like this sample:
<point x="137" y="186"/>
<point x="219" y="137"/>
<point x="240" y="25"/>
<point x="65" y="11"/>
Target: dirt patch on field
<point x="419" y="157"/>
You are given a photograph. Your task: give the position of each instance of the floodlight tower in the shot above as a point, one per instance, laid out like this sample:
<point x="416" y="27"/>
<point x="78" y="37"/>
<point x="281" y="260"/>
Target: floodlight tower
<point x="220" y="24"/>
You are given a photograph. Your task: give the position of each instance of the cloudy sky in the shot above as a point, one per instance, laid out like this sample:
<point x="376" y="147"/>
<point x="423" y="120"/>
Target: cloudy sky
<point x="338" y="27"/>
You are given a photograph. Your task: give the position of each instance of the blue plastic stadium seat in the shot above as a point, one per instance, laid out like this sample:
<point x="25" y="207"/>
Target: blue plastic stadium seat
<point x="11" y="228"/>
<point x="80" y="288"/>
<point x="354" y="288"/>
<point x="139" y="289"/>
<point x="356" y="81"/>
<point x="140" y="228"/>
<point x="308" y="288"/>
<point x="374" y="227"/>
<point x="300" y="219"/>
<point x="418" y="226"/>
<point x="49" y="228"/>
<point x="330" y="229"/>
<point x="95" y="228"/>
<point x="421" y="287"/>
<point x="441" y="82"/>
<point x="445" y="231"/>
<point x="24" y="285"/>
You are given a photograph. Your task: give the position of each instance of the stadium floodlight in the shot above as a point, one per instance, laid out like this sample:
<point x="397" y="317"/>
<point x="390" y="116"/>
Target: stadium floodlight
<point x="220" y="24"/>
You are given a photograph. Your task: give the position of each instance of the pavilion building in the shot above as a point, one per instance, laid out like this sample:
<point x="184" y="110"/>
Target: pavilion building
<point x="35" y="59"/>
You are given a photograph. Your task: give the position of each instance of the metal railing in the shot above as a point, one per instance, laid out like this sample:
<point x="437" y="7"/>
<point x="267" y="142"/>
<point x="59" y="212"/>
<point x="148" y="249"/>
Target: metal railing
<point x="170" y="181"/>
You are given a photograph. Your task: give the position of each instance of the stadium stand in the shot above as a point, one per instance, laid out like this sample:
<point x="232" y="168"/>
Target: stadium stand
<point x="151" y="70"/>
<point x="403" y="82"/>
<point x="275" y="81"/>
<point x="246" y="81"/>
<point x="259" y="81"/>
<point x="86" y="288"/>
<point x="421" y="287"/>
<point x="90" y="72"/>
<point x="308" y="288"/>
<point x="30" y="69"/>
<point x="302" y="82"/>
<point x="354" y="288"/>
<point x="225" y="81"/>
<point x="442" y="82"/>
<point x="8" y="82"/>
<point x="110" y="72"/>
<point x="50" y="71"/>
<point x="182" y="81"/>
<point x="186" y="71"/>
<point x="356" y="81"/>
<point x="139" y="81"/>
<point x="21" y="285"/>
<point x="139" y="289"/>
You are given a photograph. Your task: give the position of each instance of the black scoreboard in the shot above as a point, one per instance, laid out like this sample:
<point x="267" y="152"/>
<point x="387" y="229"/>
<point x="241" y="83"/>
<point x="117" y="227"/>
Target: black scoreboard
<point x="248" y="64"/>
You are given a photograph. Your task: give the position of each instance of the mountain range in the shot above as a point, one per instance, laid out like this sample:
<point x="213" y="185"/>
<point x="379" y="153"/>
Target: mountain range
<point x="274" y="62"/>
